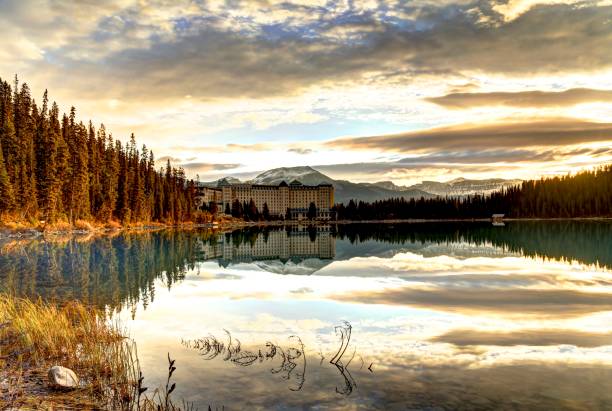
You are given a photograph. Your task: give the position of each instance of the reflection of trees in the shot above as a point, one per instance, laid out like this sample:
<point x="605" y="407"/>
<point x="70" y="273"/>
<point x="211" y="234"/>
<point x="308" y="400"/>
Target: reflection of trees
<point x="103" y="271"/>
<point x="121" y="270"/>
<point x="584" y="241"/>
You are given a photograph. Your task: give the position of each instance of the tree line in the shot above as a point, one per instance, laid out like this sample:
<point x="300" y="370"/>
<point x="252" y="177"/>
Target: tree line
<point x="56" y="168"/>
<point x="248" y="211"/>
<point x="586" y="194"/>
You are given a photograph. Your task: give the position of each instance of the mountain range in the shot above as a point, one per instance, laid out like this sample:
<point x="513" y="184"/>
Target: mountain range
<point x="346" y="190"/>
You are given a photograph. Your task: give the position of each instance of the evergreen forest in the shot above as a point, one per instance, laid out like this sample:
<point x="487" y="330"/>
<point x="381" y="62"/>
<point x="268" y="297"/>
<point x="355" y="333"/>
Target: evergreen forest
<point x="54" y="167"/>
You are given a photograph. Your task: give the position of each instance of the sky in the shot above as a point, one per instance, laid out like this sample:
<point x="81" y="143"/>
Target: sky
<point x="364" y="90"/>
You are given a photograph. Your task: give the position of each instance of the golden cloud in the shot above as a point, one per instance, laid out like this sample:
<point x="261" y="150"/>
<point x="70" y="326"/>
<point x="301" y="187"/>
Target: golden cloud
<point x="569" y="97"/>
<point x="490" y="301"/>
<point x="501" y="135"/>
<point x="539" y="337"/>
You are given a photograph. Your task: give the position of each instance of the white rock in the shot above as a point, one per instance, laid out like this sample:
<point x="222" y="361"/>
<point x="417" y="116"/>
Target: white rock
<point x="62" y="377"/>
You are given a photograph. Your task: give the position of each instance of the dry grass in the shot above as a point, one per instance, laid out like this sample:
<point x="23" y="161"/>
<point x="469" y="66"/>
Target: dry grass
<point x="35" y="335"/>
<point x="58" y="226"/>
<point x="17" y="223"/>
<point x="84" y="225"/>
<point x="113" y="225"/>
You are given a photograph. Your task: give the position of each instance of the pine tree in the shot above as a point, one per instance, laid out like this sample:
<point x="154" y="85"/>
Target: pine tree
<point x="74" y="172"/>
<point x="6" y="190"/>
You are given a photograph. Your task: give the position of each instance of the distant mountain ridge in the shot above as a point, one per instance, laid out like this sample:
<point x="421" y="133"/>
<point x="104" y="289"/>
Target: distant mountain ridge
<point x="347" y="190"/>
<point x="462" y="187"/>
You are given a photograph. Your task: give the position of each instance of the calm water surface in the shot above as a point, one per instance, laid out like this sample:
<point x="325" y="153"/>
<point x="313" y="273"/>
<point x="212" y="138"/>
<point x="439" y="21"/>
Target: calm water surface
<point x="418" y="317"/>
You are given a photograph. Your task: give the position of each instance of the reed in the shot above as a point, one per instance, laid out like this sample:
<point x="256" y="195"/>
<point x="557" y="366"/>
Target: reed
<point x="35" y="335"/>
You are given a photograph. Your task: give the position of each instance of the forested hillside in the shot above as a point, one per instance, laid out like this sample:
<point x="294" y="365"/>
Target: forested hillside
<point x="54" y="167"/>
<point x="586" y="194"/>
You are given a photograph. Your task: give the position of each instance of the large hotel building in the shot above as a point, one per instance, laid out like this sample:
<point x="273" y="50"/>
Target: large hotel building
<point x="284" y="200"/>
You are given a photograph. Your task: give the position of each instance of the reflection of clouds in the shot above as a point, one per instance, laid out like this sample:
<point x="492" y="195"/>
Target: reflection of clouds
<point x="519" y="302"/>
<point x="302" y="290"/>
<point x="453" y="331"/>
<point x="538" y="337"/>
<point x="478" y="271"/>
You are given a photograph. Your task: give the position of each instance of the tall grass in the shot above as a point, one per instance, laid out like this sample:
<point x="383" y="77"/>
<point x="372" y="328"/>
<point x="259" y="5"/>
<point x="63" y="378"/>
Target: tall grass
<point x="35" y="335"/>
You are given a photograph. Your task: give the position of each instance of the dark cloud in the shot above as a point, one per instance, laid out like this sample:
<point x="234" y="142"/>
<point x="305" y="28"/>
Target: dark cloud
<point x="166" y="158"/>
<point x="300" y="150"/>
<point x="515" y="302"/>
<point x="467" y="337"/>
<point x="201" y="167"/>
<point x="209" y="63"/>
<point x="503" y="135"/>
<point x="523" y="99"/>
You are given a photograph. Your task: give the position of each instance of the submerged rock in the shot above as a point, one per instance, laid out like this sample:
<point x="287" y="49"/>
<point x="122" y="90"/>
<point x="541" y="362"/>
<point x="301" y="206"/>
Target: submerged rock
<point x="62" y="377"/>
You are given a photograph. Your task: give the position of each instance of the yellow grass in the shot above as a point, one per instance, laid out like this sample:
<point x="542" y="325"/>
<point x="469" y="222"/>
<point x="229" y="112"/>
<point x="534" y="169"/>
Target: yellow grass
<point x="113" y="225"/>
<point x="60" y="225"/>
<point x="35" y="335"/>
<point x="84" y="225"/>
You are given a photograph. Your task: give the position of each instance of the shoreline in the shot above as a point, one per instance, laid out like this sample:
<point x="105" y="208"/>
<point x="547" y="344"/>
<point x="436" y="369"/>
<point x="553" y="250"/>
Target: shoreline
<point x="24" y="233"/>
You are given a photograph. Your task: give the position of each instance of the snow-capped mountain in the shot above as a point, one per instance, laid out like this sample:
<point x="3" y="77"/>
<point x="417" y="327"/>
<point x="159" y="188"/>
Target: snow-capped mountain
<point x="305" y="175"/>
<point x="346" y="190"/>
<point x="464" y="187"/>
<point x="224" y="180"/>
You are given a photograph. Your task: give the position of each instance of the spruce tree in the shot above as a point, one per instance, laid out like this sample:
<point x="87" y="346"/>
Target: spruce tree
<point x="6" y="190"/>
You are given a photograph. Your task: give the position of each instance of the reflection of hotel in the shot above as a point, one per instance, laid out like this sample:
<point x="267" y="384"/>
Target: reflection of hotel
<point x="283" y="200"/>
<point x="298" y="245"/>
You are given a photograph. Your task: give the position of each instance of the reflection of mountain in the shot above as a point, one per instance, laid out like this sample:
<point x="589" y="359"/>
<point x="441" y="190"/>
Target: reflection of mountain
<point x="301" y="250"/>
<point x="123" y="269"/>
<point x="345" y="249"/>
<point x="587" y="242"/>
<point x="302" y="267"/>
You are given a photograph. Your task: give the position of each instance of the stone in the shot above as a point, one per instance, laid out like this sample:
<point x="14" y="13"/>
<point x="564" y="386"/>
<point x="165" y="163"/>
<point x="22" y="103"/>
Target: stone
<point x="62" y="377"/>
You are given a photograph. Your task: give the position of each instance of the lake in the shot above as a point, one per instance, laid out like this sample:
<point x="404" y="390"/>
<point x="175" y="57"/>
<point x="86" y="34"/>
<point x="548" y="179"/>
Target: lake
<point x="461" y="316"/>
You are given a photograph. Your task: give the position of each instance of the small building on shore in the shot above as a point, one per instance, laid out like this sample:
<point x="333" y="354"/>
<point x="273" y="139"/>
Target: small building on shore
<point x="498" y="218"/>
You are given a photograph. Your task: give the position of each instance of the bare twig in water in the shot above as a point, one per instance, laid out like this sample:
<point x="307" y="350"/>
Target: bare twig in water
<point x="345" y="339"/>
<point x="301" y="377"/>
<point x="210" y="348"/>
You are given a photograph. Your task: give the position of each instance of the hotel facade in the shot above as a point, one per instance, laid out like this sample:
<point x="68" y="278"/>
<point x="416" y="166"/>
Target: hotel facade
<point x="297" y="245"/>
<point x="291" y="201"/>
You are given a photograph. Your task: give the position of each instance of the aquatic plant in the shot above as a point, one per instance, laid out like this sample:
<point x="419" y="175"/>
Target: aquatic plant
<point x="289" y="356"/>
<point x="210" y="348"/>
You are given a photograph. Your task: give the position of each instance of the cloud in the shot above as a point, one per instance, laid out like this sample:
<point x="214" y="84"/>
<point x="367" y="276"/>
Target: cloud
<point x="164" y="159"/>
<point x="500" y="135"/>
<point x="512" y="9"/>
<point x="231" y="147"/>
<point x="211" y="54"/>
<point x="188" y="73"/>
<point x="569" y="97"/>
<point x="540" y="337"/>
<point x="202" y="167"/>
<point x="299" y="150"/>
<point x="492" y="301"/>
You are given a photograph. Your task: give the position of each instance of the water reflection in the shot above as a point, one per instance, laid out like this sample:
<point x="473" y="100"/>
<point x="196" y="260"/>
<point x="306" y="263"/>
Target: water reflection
<point x="121" y="270"/>
<point x="448" y="316"/>
<point x="296" y="250"/>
